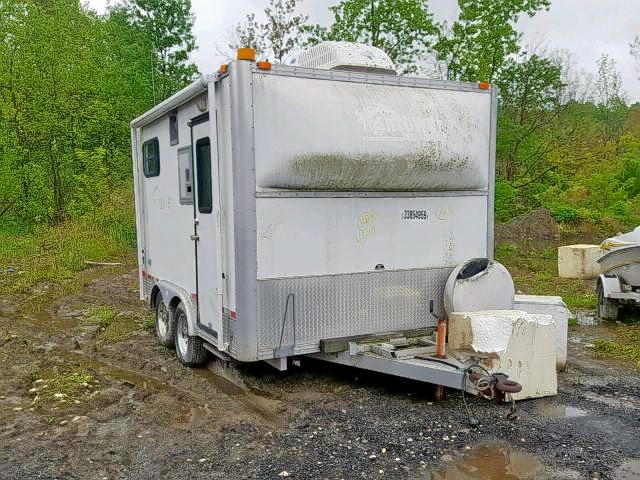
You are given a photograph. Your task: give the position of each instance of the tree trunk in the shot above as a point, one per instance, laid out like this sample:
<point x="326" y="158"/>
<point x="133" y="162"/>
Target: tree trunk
<point x="57" y="184"/>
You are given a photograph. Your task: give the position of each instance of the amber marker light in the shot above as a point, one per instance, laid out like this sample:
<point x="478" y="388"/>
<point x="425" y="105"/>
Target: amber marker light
<point x="264" y="65"/>
<point x="246" y="54"/>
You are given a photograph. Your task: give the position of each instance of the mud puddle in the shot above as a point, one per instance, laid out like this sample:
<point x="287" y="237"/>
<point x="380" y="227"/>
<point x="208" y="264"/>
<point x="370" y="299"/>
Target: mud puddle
<point x="628" y="471"/>
<point x="43" y="322"/>
<point x="252" y="399"/>
<point x="263" y="408"/>
<point x="551" y="410"/>
<point x="492" y="463"/>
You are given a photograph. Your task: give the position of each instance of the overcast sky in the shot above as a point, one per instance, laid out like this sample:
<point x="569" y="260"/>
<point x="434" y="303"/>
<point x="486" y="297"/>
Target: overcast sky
<point x="588" y="28"/>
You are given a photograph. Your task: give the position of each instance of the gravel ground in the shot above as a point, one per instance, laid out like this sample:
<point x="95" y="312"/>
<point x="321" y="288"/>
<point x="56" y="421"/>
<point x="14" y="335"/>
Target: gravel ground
<point x="126" y="409"/>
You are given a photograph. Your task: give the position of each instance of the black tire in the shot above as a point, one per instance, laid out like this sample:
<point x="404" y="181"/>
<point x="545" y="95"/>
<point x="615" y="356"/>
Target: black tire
<point x="607" y="308"/>
<point x="165" y="324"/>
<point x="189" y="349"/>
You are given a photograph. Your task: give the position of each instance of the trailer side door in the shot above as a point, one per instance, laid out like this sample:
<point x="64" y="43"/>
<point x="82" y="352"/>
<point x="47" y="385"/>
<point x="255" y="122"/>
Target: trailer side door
<point x="205" y="234"/>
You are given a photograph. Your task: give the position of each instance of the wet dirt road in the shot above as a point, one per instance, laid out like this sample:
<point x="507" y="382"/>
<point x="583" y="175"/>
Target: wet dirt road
<point x="87" y="393"/>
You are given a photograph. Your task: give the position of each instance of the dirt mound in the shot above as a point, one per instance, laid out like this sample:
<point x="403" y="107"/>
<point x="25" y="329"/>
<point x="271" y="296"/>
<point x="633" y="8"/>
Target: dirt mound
<point x="534" y="228"/>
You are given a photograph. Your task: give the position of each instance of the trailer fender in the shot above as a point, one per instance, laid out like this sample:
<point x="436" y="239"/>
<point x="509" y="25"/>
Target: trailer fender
<point x="173" y="294"/>
<point x="610" y="284"/>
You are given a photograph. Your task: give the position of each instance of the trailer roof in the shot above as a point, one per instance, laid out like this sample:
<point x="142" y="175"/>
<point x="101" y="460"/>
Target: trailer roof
<point x="200" y="85"/>
<point x="193" y="90"/>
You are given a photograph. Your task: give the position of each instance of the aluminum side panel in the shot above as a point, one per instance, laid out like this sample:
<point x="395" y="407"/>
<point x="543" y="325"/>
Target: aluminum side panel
<point x="226" y="192"/>
<point x="243" y="345"/>
<point x="328" y="236"/>
<point x="337" y="135"/>
<point x="168" y="224"/>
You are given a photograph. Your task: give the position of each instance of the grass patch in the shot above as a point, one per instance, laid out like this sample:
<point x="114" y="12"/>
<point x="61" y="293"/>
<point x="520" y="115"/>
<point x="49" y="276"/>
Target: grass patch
<point x="535" y="272"/>
<point x="111" y="325"/>
<point x="62" y="388"/>
<point x="51" y="254"/>
<point x="149" y="323"/>
<point x="101" y="315"/>
<point x="626" y="346"/>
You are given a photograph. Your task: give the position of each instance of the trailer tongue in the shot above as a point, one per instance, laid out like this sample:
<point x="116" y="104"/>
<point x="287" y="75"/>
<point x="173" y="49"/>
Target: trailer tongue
<point x="410" y="356"/>
<point x="413" y="355"/>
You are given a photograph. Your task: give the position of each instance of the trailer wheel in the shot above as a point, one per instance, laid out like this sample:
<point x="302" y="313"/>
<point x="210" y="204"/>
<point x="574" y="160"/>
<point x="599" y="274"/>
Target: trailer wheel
<point x="165" y="324"/>
<point x="189" y="349"/>
<point x="607" y="308"/>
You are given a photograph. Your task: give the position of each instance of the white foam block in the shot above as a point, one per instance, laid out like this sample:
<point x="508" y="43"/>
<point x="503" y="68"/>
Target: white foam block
<point x="513" y="342"/>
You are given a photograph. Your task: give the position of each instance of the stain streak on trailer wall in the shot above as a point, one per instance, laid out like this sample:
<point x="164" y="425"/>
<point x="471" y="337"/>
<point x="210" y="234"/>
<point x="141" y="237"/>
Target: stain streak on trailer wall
<point x="332" y="135"/>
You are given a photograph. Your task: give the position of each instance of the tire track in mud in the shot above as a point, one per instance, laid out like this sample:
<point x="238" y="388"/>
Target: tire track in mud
<point x="35" y="327"/>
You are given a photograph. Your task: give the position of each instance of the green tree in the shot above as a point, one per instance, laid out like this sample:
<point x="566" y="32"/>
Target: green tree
<point x="275" y="38"/>
<point x="70" y="82"/>
<point x="401" y="28"/>
<point x="246" y="34"/>
<point x="477" y="44"/>
<point x="52" y="59"/>
<point x="126" y="80"/>
<point x="531" y="89"/>
<point x="169" y="27"/>
<point x="610" y="99"/>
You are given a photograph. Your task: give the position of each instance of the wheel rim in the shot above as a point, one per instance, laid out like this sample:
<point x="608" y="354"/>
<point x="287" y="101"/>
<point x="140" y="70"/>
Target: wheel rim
<point x="163" y="319"/>
<point x="182" y="334"/>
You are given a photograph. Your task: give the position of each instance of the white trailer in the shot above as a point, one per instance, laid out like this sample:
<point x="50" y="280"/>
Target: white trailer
<point x="282" y="209"/>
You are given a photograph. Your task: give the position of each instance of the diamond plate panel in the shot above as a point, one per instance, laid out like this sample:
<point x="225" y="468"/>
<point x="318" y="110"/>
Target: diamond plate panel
<point x="344" y="305"/>
<point x="228" y="331"/>
<point x="147" y="286"/>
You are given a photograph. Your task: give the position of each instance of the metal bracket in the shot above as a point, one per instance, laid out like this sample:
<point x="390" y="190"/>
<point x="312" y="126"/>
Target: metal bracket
<point x="283" y="351"/>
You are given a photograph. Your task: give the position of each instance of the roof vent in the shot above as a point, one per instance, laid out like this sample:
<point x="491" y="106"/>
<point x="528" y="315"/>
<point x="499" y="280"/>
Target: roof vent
<point x="353" y="57"/>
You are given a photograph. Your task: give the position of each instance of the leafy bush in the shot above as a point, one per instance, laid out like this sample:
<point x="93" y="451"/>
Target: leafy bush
<point x="53" y="253"/>
<point x="505" y="201"/>
<point x="564" y="213"/>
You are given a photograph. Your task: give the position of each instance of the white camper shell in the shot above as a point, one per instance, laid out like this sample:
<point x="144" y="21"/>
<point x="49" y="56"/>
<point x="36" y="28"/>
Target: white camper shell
<point x="280" y="207"/>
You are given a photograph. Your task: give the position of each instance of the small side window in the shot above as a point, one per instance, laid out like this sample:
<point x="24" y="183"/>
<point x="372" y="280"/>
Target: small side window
<point x="203" y="182"/>
<point x="173" y="128"/>
<point x="151" y="158"/>
<point x="185" y="176"/>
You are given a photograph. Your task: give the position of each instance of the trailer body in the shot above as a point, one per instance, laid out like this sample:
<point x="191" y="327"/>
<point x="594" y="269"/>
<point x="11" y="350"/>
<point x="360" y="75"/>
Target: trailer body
<point x="295" y="205"/>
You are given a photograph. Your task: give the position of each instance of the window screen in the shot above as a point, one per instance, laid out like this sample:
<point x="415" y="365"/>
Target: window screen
<point x="203" y="160"/>
<point x="185" y="175"/>
<point x="151" y="158"/>
<point x="173" y="129"/>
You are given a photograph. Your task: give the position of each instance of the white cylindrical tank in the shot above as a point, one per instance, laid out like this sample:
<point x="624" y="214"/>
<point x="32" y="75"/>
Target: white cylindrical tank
<point x="479" y="284"/>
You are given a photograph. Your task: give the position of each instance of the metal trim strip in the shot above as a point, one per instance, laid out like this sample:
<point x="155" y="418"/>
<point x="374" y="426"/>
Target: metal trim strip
<point x="379" y="194"/>
<point x="360" y="77"/>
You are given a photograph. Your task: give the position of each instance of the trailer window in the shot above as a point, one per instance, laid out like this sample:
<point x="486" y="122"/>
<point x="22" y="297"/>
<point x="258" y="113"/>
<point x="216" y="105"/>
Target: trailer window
<point x="173" y="128"/>
<point x="151" y="158"/>
<point x="185" y="177"/>
<point x="203" y="160"/>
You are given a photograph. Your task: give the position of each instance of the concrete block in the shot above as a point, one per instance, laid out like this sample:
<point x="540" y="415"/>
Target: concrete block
<point x="579" y="261"/>
<point x="513" y="342"/>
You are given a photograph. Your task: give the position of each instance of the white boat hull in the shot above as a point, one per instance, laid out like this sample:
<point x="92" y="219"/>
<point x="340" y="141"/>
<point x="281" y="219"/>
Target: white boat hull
<point x="623" y="262"/>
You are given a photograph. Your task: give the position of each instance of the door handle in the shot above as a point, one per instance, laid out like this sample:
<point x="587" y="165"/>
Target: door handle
<point x="195" y="238"/>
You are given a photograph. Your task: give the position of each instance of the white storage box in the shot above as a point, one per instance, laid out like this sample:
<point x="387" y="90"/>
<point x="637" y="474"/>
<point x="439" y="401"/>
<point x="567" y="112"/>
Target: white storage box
<point x="555" y="307"/>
